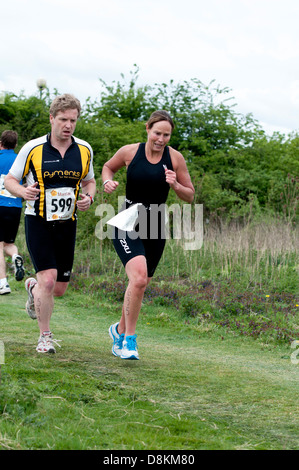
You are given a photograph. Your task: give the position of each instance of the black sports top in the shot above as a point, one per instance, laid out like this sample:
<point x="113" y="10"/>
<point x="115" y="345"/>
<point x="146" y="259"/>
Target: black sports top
<point x="146" y="182"/>
<point x="58" y="178"/>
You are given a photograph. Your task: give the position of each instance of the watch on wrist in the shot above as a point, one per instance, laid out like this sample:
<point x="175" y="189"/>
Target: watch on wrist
<point x="91" y="198"/>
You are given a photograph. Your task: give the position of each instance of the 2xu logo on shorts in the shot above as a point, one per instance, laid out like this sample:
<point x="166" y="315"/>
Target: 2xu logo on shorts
<point x="125" y="245"/>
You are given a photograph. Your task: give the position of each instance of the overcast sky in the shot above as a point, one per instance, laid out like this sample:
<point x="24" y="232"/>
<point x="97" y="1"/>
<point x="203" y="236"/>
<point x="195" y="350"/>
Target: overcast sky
<point x="249" y="46"/>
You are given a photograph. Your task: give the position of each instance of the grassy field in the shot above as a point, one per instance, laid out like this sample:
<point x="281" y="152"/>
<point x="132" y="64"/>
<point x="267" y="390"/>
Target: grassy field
<point x="217" y="370"/>
<point x="193" y="388"/>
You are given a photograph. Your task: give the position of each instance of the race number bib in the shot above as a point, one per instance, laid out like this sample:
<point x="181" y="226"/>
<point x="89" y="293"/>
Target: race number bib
<point x="60" y="203"/>
<point x="3" y="190"/>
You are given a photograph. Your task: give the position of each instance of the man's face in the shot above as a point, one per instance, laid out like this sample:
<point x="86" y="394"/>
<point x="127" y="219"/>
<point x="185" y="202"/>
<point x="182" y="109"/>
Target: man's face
<point x="64" y="124"/>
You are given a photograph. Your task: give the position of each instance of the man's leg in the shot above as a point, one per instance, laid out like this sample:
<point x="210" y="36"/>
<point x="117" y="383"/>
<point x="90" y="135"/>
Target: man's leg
<point x="4" y="286"/>
<point x="60" y="288"/>
<point x="10" y="249"/>
<point x="43" y="293"/>
<point x="2" y="262"/>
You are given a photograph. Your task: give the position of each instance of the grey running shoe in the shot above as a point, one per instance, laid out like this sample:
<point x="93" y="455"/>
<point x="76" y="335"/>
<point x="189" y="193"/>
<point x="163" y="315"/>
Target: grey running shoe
<point x="117" y="340"/>
<point x="5" y="289"/>
<point x="19" y="268"/>
<point x="45" y="343"/>
<point x="29" y="284"/>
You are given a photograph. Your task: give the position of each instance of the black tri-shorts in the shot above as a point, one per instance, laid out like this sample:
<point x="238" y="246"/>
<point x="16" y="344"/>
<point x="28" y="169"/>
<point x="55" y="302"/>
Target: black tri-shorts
<point x="9" y="223"/>
<point x="51" y="245"/>
<point x="128" y="245"/>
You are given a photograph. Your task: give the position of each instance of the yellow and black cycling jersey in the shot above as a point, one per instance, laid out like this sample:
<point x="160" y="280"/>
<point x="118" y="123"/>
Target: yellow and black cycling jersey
<point x="58" y="178"/>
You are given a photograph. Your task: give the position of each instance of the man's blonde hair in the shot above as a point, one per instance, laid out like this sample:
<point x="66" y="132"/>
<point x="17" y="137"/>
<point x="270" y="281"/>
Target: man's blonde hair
<point x="64" y="102"/>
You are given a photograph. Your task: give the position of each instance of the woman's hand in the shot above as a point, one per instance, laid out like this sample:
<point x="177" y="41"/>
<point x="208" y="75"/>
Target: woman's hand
<point x="171" y="178"/>
<point x="110" y="186"/>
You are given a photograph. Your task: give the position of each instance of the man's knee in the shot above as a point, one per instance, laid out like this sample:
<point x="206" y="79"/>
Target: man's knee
<point x="47" y="280"/>
<point x="60" y="288"/>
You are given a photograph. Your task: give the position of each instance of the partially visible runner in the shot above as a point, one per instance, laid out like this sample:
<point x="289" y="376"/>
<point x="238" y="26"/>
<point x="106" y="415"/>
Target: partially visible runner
<point x="55" y="166"/>
<point x="152" y="168"/>
<point x="10" y="213"/>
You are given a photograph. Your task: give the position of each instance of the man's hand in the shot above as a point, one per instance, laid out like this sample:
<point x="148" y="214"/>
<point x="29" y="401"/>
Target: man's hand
<point x="31" y="193"/>
<point x="84" y="202"/>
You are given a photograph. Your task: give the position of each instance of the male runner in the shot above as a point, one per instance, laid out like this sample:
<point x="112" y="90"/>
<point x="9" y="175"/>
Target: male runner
<point x="56" y="166"/>
<point x="10" y="213"/>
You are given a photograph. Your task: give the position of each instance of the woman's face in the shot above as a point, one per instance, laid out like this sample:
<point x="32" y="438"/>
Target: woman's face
<point x="159" y="135"/>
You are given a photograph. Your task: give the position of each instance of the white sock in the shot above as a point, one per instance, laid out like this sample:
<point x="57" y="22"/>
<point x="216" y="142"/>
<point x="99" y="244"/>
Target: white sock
<point x="14" y="257"/>
<point x="3" y="282"/>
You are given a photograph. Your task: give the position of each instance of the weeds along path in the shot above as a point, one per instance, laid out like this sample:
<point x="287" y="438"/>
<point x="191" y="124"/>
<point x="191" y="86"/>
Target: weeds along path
<point x="189" y="391"/>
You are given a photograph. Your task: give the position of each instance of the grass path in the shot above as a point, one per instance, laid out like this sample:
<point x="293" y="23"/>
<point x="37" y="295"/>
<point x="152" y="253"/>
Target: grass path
<point x="191" y="390"/>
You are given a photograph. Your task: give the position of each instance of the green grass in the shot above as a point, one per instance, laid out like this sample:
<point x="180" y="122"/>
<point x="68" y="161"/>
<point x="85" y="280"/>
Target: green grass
<point x="214" y="335"/>
<point x="197" y="386"/>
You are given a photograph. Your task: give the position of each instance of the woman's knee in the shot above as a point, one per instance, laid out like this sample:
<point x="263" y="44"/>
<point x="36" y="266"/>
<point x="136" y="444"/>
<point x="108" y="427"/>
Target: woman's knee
<point x="137" y="272"/>
<point x="139" y="281"/>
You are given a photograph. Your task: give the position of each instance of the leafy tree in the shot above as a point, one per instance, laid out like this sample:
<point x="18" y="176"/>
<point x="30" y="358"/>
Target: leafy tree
<point x="234" y="165"/>
<point x="28" y="116"/>
<point x="119" y="100"/>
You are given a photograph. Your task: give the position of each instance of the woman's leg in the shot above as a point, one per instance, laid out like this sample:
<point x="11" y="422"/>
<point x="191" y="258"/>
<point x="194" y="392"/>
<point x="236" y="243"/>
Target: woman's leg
<point x="136" y="270"/>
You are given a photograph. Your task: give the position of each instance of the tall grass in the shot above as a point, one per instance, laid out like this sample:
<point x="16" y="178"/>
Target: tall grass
<point x="258" y="251"/>
<point x="244" y="277"/>
<point x="261" y="251"/>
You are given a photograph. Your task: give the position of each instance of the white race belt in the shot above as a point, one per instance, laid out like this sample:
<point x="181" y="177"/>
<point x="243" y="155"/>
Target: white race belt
<point x="60" y="203"/>
<point x="3" y="190"/>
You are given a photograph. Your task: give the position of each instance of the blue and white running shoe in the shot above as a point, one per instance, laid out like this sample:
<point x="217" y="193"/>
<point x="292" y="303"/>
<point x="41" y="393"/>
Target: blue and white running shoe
<point x="129" y="350"/>
<point x="117" y="340"/>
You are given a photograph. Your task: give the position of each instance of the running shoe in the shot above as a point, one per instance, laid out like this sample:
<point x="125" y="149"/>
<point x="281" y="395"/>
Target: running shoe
<point x="29" y="284"/>
<point x="5" y="289"/>
<point x="45" y="343"/>
<point x="129" y="350"/>
<point x="19" y="268"/>
<point x="117" y="339"/>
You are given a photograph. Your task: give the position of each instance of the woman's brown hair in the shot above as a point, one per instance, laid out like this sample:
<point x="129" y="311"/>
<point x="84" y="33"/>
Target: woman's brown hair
<point x="158" y="116"/>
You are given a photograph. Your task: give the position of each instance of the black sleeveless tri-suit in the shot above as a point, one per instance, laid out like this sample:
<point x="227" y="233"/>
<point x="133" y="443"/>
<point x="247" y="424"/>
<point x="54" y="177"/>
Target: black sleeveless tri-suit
<point x="146" y="184"/>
